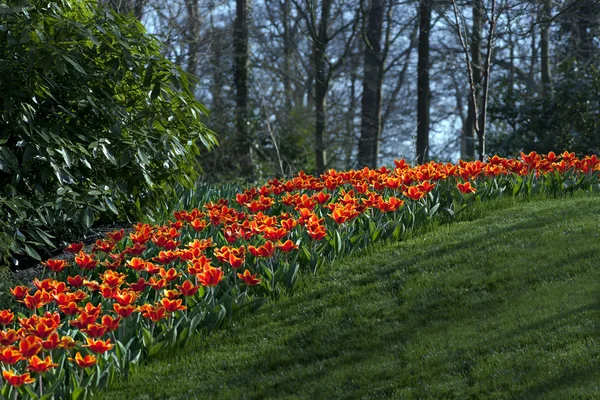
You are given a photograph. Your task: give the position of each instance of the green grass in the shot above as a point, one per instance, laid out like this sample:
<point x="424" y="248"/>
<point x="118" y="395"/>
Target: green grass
<point x="505" y="306"/>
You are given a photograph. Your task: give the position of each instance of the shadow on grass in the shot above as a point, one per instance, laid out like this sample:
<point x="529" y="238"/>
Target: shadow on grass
<point x="414" y="321"/>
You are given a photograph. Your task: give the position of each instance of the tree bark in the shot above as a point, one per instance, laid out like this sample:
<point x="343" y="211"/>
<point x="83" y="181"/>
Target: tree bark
<point x="193" y="38"/>
<point x="470" y="126"/>
<point x="545" y="50"/>
<point x="287" y="56"/>
<point x="370" y="133"/>
<point x="320" y="42"/>
<point x="240" y="43"/>
<point x="423" y="92"/>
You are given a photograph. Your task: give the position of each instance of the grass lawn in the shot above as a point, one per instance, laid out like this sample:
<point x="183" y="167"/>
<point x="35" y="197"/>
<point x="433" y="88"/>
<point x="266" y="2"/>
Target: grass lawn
<point x="505" y="306"/>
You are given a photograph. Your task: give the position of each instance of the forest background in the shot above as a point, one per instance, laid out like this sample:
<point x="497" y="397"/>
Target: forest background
<point x="318" y="84"/>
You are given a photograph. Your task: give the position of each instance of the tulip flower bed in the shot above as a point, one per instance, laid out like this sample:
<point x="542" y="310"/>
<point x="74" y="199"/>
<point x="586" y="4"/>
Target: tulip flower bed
<point x="134" y="295"/>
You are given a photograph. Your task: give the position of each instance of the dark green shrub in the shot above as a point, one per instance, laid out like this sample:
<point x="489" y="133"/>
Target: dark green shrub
<point x="569" y="120"/>
<point x="94" y="121"/>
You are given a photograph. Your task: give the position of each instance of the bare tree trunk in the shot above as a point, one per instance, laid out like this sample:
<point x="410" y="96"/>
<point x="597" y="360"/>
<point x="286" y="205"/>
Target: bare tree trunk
<point x="423" y="92"/>
<point x="533" y="52"/>
<point x="545" y="50"/>
<point x="287" y="56"/>
<point x="193" y="37"/>
<point x="486" y="81"/>
<point x="469" y="133"/>
<point x="349" y="137"/>
<point x="511" y="69"/>
<point x="320" y="42"/>
<point x="368" y="147"/>
<point x="240" y="42"/>
<point x="321" y="87"/>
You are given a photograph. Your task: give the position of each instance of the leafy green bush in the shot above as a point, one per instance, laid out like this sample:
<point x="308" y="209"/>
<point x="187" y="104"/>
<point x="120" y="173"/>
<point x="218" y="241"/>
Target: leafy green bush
<point x="94" y="121"/>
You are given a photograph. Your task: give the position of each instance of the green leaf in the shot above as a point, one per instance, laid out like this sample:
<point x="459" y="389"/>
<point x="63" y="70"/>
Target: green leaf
<point x="8" y="160"/>
<point x="156" y="348"/>
<point x="88" y="217"/>
<point x="31" y="252"/>
<point x="149" y="74"/>
<point x="108" y="154"/>
<point x="215" y="317"/>
<point x="147" y="338"/>
<point x="376" y="234"/>
<point x="433" y="210"/>
<point x="74" y="63"/>
<point x="5" y="391"/>
<point x="155" y="91"/>
<point x="111" y="205"/>
<point x="78" y="394"/>
<point x="339" y="245"/>
<point x="516" y="189"/>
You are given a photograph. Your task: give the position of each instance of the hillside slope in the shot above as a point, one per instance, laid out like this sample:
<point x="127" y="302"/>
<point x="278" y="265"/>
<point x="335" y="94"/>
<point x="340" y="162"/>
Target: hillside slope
<point x="506" y="306"/>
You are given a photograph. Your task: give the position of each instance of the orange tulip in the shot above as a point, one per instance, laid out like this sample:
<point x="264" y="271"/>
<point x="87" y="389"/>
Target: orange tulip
<point x="98" y="346"/>
<point x="465" y="188"/>
<point x="139" y="286"/>
<point x="85" y="261"/>
<point x="52" y="342"/>
<point x="39" y="299"/>
<point x="6" y="317"/>
<point x="42" y="330"/>
<point x="56" y="265"/>
<point x="172" y="305"/>
<point x="391" y="205"/>
<point x="105" y="246"/>
<point x="265" y="251"/>
<point x="322" y="197"/>
<point x="287" y="246"/>
<point x="171" y="294"/>
<point x="84" y="362"/>
<point x="116" y="236"/>
<point x="136" y="250"/>
<point x="157" y="284"/>
<point x="95" y="330"/>
<point x="126" y="297"/>
<point x="111" y="324"/>
<point x="169" y="275"/>
<point x="210" y="277"/>
<point x="30" y="345"/>
<point x="67" y="343"/>
<point x="39" y="366"/>
<point x="249" y="279"/>
<point x="188" y="288"/>
<point x="8" y="337"/>
<point x="69" y="309"/>
<point x="199" y="224"/>
<point x="136" y="263"/>
<point x="152" y="268"/>
<point x="166" y="257"/>
<point x="153" y="313"/>
<point x="10" y="355"/>
<point x="123" y="311"/>
<point x="17" y="380"/>
<point x="19" y="292"/>
<point x="75" y="281"/>
<point x="74" y="248"/>
<point x="414" y="193"/>
<point x="317" y="232"/>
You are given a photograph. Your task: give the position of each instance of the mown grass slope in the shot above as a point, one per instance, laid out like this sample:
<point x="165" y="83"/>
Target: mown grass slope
<point x="505" y="306"/>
